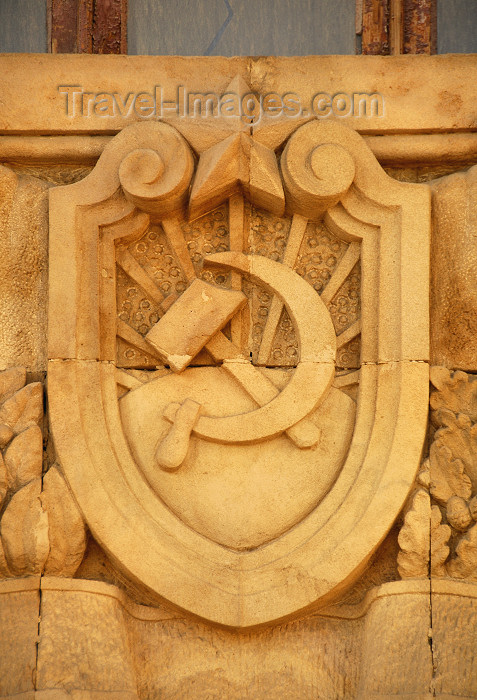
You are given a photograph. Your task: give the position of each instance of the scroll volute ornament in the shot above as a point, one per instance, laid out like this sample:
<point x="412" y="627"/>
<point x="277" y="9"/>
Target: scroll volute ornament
<point x="156" y="180"/>
<point x="315" y="178"/>
<point x="144" y="172"/>
<point x="150" y="519"/>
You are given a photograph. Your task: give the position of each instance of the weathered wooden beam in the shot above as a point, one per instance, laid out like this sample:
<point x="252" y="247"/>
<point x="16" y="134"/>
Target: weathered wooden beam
<point x="396" y="27"/>
<point x="87" y="26"/>
<point x="109" y="28"/>
<point x="375" y="32"/>
<point x="420" y="26"/>
<point x="62" y="26"/>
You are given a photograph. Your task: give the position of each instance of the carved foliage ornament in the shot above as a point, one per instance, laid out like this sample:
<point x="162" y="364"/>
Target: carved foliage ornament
<point x="237" y="381"/>
<point x="41" y="529"/>
<point x="443" y="511"/>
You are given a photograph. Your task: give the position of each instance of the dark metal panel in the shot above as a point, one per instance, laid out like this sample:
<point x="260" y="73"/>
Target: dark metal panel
<point x="23" y="26"/>
<point x="241" y="27"/>
<point x="457" y="26"/>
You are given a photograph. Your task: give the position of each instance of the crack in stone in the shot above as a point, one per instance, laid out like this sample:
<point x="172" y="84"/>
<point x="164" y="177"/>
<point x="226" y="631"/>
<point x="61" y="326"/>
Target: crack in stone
<point x="432" y="687"/>
<point x="40" y="588"/>
<point x="37" y="643"/>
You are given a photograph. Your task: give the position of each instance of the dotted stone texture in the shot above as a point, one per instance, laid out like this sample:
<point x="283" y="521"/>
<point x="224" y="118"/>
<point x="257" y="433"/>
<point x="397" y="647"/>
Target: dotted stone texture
<point x="23" y="270"/>
<point x="345" y="309"/>
<point x="453" y="286"/>
<point x="208" y="234"/>
<point x="268" y="234"/>
<point x="154" y="255"/>
<point x="134" y="306"/>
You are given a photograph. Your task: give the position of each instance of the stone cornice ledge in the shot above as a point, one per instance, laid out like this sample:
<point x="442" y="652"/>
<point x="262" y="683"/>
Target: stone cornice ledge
<point x="431" y="94"/>
<point x="398" y="149"/>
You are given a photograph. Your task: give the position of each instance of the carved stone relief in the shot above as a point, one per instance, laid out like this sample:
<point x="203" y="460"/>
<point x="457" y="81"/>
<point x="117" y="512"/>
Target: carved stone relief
<point x="440" y="531"/>
<point x="238" y="392"/>
<point x="41" y="529"/>
<point x="204" y="362"/>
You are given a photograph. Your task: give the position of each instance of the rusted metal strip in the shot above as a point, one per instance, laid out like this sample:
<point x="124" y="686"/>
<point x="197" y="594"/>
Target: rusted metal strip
<point x="87" y="26"/>
<point x="375" y="34"/>
<point x="420" y="26"/>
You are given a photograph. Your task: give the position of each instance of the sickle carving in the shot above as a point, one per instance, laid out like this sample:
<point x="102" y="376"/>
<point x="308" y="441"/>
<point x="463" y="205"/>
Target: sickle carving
<point x="314" y="373"/>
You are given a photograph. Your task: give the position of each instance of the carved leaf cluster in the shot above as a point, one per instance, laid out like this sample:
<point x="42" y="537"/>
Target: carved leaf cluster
<point x="464" y="564"/>
<point x="449" y="481"/>
<point x="423" y="539"/>
<point x="439" y="537"/>
<point x="41" y="529"/>
<point x="413" y="559"/>
<point x="455" y="392"/>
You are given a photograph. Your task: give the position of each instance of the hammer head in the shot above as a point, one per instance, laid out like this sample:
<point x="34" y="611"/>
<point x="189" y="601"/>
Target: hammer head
<point x="199" y="313"/>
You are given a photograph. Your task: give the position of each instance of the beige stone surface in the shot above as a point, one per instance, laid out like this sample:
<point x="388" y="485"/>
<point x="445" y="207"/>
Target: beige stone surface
<point x="24" y="530"/>
<point x="66" y="528"/>
<point x="397" y="658"/>
<point x="258" y="491"/>
<point x="454" y="149"/>
<point x="420" y="93"/>
<point x="23" y="270"/>
<point x="199" y="313"/>
<point x="291" y="660"/>
<point x="19" y="612"/>
<point x="237" y="164"/>
<point x="454" y="638"/>
<point x="24" y="408"/>
<point x="24" y="457"/>
<point x="96" y="661"/>
<point x="453" y="286"/>
<point x="404" y="639"/>
<point x="25" y="341"/>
